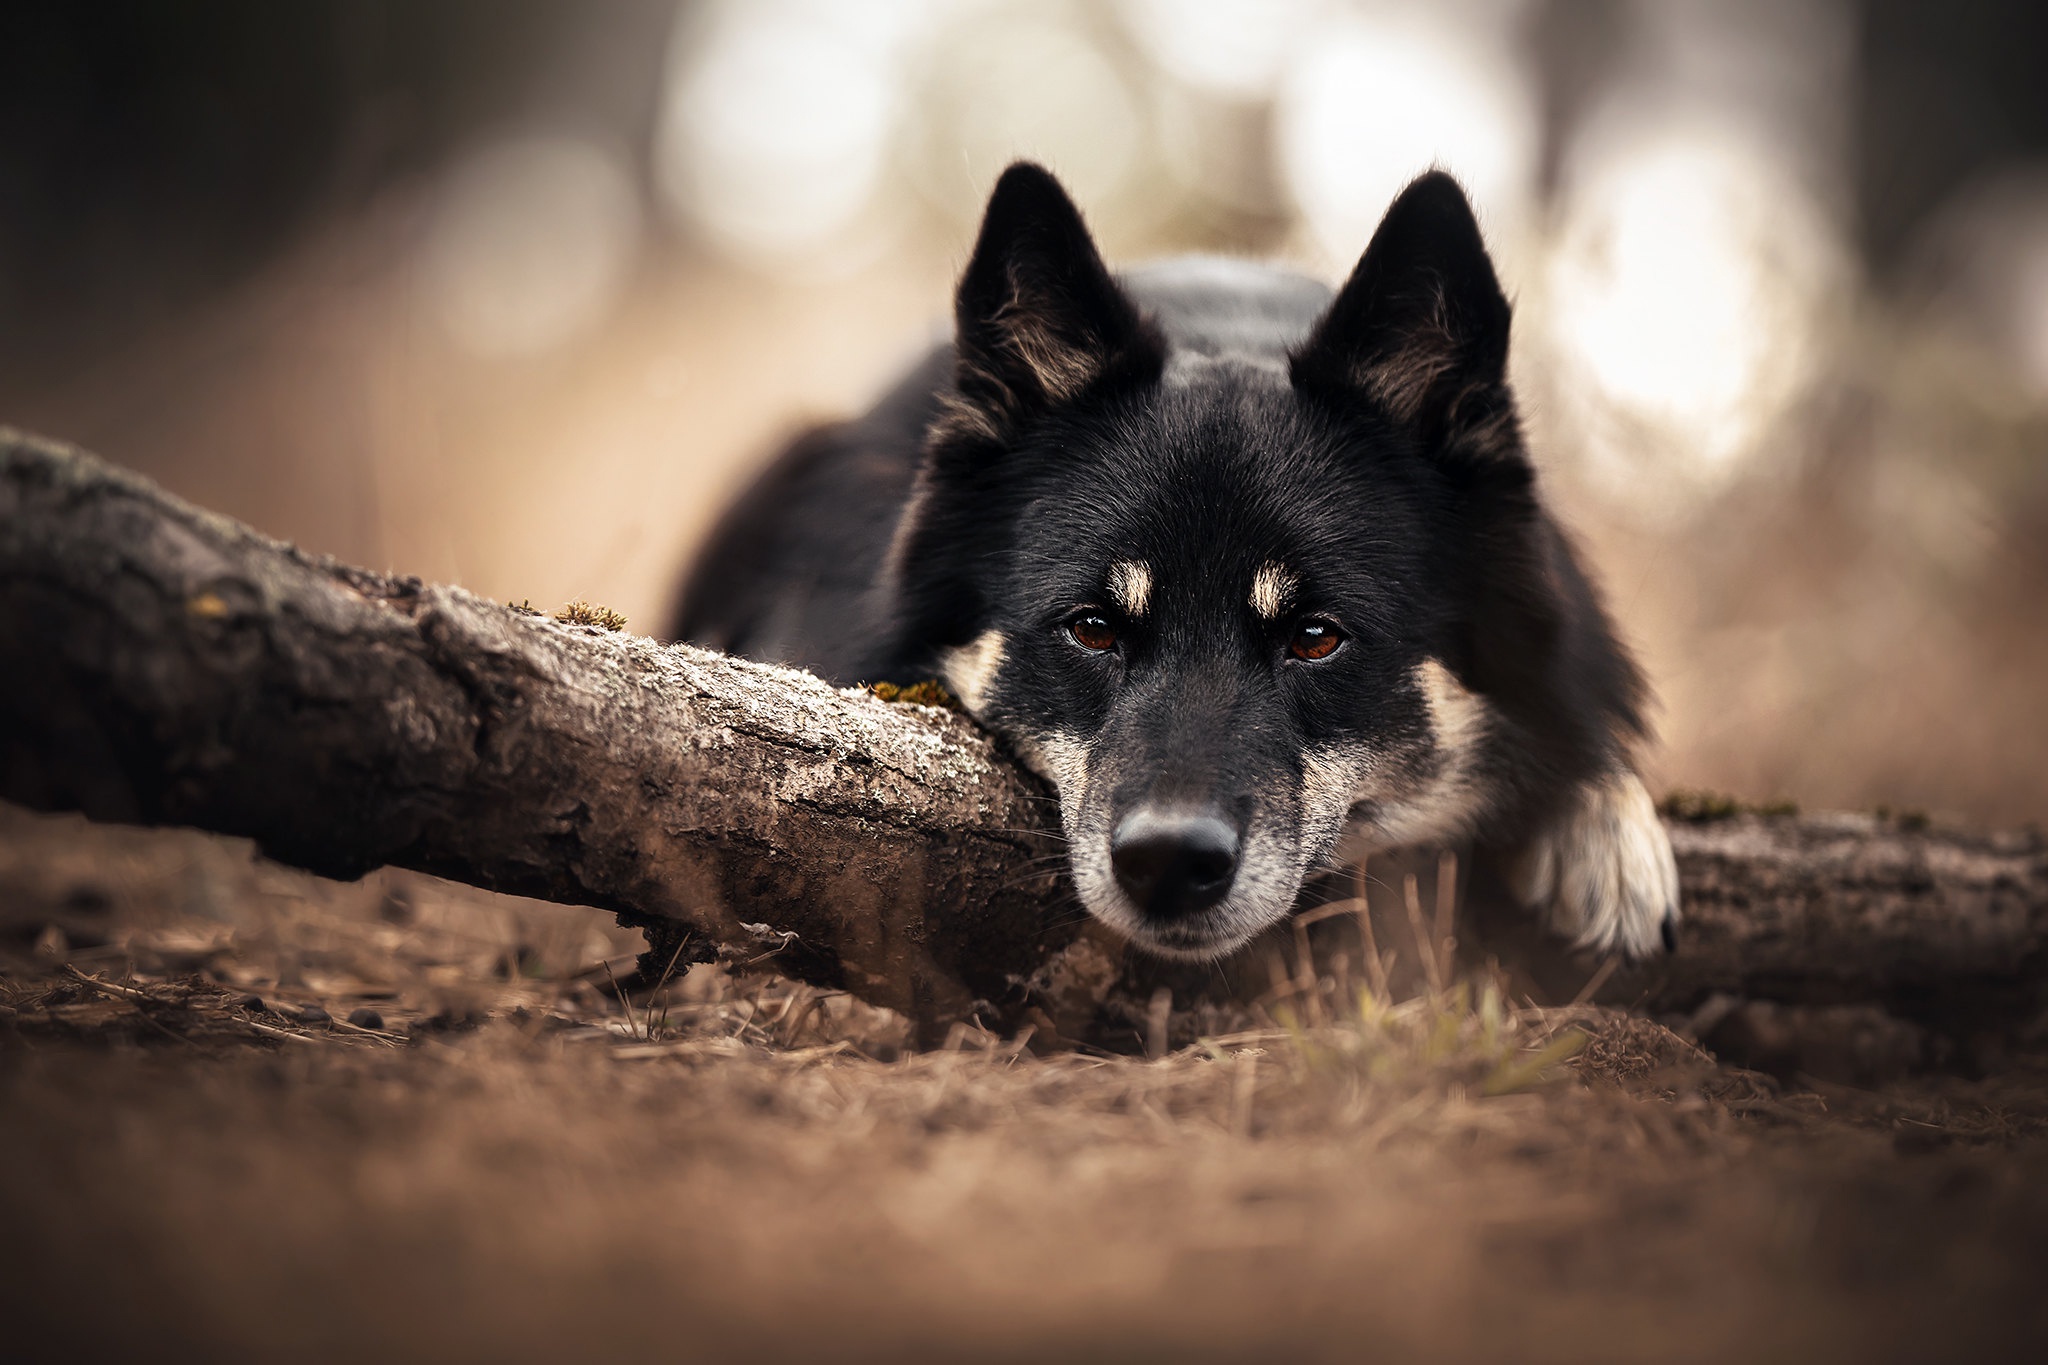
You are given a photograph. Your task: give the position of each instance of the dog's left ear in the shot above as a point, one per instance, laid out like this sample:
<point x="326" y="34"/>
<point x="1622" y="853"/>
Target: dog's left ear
<point x="1421" y="327"/>
<point x="1038" y="319"/>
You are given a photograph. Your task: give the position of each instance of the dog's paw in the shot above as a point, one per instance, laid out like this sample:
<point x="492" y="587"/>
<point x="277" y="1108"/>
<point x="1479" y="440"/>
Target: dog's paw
<point x="1603" y="875"/>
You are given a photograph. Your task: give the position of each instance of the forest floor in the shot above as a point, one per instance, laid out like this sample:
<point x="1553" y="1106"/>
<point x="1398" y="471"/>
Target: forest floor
<point x="246" y="1113"/>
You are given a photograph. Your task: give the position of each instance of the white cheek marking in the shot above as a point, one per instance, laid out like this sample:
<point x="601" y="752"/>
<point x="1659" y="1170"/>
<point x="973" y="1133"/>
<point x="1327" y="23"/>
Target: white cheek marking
<point x="1458" y="716"/>
<point x="1272" y="586"/>
<point x="1331" y="780"/>
<point x="1061" y="760"/>
<point x="1450" y="802"/>
<point x="1130" y="583"/>
<point x="970" y="669"/>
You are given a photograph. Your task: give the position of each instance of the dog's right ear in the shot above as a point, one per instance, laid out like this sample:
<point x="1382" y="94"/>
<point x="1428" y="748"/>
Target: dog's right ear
<point x="1038" y="319"/>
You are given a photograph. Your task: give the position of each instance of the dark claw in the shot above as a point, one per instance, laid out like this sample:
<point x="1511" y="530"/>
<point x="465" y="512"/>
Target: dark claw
<point x="1669" y="929"/>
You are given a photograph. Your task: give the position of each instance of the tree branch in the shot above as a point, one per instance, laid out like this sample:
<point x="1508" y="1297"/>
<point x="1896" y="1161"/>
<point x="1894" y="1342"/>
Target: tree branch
<point x="163" y="665"/>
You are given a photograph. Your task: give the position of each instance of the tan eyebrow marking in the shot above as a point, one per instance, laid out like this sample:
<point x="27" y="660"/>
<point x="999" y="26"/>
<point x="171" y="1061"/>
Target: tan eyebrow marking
<point x="1272" y="586"/>
<point x="1130" y="583"/>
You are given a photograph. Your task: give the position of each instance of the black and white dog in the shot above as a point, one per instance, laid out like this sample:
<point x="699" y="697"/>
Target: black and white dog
<point x="1253" y="574"/>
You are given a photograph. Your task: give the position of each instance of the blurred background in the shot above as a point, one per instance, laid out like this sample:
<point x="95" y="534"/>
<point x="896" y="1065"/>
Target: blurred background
<point x="517" y="293"/>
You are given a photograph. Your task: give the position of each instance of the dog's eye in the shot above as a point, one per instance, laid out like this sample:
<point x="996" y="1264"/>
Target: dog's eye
<point x="1315" y="640"/>
<point x="1092" y="631"/>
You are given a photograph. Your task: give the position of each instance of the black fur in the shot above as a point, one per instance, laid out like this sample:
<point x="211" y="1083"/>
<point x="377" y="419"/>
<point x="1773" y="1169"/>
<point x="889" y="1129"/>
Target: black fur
<point x="1203" y="419"/>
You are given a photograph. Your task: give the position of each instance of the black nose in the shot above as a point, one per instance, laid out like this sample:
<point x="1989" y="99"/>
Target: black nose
<point x="1173" y="864"/>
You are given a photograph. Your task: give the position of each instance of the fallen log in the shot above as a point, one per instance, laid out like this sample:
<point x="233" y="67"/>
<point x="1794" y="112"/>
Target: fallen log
<point x="162" y="665"/>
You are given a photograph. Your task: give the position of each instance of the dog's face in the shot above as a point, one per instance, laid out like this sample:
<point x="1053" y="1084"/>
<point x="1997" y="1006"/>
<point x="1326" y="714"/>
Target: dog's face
<point x="1209" y="598"/>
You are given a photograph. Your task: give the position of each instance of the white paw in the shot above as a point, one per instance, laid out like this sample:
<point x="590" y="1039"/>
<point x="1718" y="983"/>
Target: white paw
<point x="1603" y="875"/>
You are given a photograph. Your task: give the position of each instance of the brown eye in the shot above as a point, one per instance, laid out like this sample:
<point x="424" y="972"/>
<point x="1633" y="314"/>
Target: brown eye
<point x="1092" y="632"/>
<point x="1315" y="640"/>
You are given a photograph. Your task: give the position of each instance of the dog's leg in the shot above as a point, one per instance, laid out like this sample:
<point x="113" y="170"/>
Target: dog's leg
<point x="1602" y="874"/>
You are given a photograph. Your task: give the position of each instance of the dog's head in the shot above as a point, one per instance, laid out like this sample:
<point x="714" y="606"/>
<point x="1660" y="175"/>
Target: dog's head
<point x="1216" y="594"/>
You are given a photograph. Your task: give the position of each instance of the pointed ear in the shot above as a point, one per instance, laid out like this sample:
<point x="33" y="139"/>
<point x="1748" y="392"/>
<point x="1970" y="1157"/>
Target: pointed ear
<point x="1038" y="319"/>
<point x="1421" y="327"/>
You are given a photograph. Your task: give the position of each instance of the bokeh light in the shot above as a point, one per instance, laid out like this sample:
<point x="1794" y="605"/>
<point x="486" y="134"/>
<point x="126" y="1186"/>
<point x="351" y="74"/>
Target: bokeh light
<point x="1685" y="298"/>
<point x="1374" y="100"/>
<point x="1027" y="81"/>
<point x="1233" y="49"/>
<point x="530" y="242"/>
<point x="776" y="118"/>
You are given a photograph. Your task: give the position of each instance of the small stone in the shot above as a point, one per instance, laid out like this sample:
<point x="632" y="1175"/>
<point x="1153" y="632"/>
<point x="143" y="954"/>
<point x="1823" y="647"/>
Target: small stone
<point x="313" y="1014"/>
<point x="252" y="1003"/>
<point x="367" y="1018"/>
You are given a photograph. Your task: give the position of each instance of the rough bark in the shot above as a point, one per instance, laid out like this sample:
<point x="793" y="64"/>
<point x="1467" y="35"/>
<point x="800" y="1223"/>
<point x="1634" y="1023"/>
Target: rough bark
<point x="1830" y="908"/>
<point x="163" y="665"/>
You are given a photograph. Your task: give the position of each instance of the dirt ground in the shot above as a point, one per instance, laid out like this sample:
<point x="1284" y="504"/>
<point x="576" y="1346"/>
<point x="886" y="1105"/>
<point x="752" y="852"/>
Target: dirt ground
<point x="249" y="1114"/>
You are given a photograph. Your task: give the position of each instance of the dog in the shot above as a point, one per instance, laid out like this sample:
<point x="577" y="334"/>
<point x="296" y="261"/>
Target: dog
<point x="1255" y="574"/>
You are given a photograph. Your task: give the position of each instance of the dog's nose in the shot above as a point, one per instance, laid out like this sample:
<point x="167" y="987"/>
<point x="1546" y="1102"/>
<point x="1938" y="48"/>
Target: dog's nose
<point x="1173" y="864"/>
